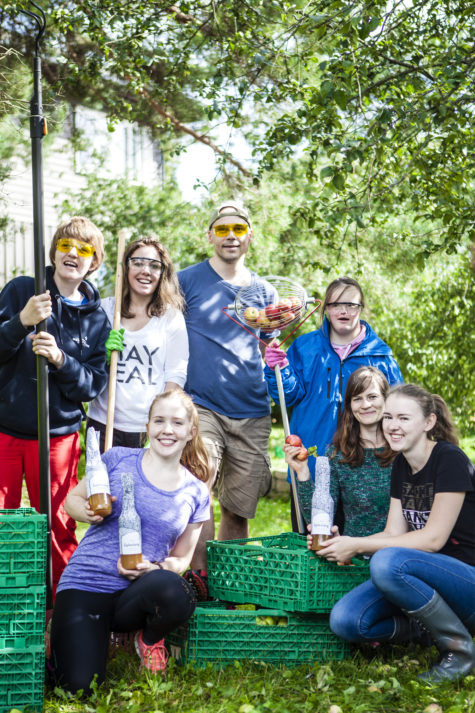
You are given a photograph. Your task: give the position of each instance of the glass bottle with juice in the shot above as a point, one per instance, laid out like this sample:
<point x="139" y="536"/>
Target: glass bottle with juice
<point x="130" y="527"/>
<point x="322" y="504"/>
<point x="97" y="478"/>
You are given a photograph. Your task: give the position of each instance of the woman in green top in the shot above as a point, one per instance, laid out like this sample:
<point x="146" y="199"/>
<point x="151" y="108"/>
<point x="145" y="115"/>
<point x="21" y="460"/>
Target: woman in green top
<point x="360" y="459"/>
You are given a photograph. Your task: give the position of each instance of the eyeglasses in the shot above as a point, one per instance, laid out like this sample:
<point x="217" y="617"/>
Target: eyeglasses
<point x="222" y="231"/>
<point x="65" y="245"/>
<point x="139" y="263"/>
<point x="350" y="307"/>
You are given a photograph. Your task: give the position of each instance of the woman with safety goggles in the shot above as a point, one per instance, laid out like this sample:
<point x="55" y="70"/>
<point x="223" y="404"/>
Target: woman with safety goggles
<point x="317" y="366"/>
<point x="152" y="342"/>
<point x="73" y="344"/>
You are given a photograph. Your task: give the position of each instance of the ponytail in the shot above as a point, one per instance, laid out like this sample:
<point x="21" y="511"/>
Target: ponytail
<point x="444" y="428"/>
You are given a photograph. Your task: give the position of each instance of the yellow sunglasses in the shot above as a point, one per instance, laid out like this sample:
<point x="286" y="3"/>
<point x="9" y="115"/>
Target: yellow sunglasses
<point x="64" y="245"/>
<point x="239" y="229"/>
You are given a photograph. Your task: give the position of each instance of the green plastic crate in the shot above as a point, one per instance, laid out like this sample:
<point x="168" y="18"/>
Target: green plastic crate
<point x="22" y="679"/>
<point x="22" y="548"/>
<point x="219" y="636"/>
<point x="279" y="571"/>
<point x="22" y="617"/>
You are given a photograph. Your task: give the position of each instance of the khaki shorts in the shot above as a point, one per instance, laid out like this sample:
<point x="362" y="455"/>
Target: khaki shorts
<point x="240" y="447"/>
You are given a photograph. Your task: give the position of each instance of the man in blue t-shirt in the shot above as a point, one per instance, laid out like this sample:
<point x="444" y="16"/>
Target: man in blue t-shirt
<point x="225" y="379"/>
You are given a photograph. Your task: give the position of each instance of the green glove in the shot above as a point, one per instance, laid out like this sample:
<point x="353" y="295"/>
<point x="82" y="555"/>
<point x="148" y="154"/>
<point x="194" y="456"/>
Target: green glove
<point x="114" y="342"/>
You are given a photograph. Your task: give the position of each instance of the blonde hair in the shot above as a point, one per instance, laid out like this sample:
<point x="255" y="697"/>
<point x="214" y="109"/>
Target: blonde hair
<point x="194" y="456"/>
<point x="80" y="228"/>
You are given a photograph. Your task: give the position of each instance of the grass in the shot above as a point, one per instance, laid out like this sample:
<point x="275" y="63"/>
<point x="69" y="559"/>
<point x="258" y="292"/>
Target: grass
<point x="371" y="681"/>
<point x="380" y="680"/>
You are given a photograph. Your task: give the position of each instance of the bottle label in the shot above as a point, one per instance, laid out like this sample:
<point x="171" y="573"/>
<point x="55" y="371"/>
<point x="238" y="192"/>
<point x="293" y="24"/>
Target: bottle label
<point x="98" y="482"/>
<point x="321" y="523"/>
<point x="130" y="543"/>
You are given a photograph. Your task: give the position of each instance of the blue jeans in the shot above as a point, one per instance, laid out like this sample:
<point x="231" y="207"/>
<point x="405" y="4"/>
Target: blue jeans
<point x="402" y="578"/>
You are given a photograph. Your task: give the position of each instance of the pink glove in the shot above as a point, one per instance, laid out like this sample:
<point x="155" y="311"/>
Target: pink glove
<point x="274" y="356"/>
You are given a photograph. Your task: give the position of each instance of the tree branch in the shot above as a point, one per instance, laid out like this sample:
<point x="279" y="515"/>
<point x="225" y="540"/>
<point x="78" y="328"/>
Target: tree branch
<point x="179" y="126"/>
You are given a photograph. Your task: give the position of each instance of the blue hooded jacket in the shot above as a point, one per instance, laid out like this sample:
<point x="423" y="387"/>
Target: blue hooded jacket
<point x="80" y="332"/>
<point x="315" y="381"/>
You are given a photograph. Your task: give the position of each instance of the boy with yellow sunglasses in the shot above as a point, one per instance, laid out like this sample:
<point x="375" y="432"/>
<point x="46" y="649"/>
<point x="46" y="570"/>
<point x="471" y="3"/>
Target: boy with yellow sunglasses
<point x="73" y="344"/>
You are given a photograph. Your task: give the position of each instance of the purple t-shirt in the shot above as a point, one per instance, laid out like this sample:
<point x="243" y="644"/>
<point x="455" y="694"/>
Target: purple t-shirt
<point x="164" y="516"/>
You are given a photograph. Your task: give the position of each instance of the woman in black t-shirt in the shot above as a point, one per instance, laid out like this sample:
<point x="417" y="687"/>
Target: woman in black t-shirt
<point x="423" y="564"/>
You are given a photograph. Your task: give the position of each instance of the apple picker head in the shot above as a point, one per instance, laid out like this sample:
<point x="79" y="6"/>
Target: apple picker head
<point x="270" y="304"/>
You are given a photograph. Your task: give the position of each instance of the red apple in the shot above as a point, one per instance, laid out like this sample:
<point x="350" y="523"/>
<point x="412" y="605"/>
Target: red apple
<point x="293" y="440"/>
<point x="287" y="317"/>
<point x="295" y="303"/>
<point x="304" y="453"/>
<point x="272" y="311"/>
<point x="284" y="304"/>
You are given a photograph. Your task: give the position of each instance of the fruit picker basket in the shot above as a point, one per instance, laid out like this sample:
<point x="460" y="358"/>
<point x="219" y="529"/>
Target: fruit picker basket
<point x="22" y="548"/>
<point x="279" y="571"/>
<point x="219" y="633"/>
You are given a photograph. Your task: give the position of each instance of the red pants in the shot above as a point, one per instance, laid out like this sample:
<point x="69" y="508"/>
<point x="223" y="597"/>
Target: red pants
<point x="19" y="457"/>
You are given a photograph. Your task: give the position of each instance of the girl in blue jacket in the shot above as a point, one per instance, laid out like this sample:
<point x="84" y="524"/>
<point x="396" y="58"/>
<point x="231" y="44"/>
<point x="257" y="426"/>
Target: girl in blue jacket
<point x="316" y="368"/>
<point x="73" y="344"/>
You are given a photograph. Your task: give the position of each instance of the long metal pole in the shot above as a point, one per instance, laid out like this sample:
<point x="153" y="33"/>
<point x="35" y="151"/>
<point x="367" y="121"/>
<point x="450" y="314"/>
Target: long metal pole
<point x="37" y="131"/>
<point x="285" y="421"/>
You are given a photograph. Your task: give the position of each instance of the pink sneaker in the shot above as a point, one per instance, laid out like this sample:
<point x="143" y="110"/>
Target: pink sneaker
<point x="154" y="657"/>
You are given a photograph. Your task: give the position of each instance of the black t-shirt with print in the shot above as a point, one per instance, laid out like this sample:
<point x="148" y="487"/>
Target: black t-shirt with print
<point x="448" y="470"/>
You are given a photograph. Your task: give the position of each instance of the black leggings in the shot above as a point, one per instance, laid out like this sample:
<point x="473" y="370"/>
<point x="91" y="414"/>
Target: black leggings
<point x="119" y="438"/>
<point x="157" y="602"/>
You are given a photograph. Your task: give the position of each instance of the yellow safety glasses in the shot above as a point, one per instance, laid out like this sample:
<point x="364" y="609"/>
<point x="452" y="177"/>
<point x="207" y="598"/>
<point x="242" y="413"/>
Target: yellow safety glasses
<point x="239" y="229"/>
<point x="64" y="245"/>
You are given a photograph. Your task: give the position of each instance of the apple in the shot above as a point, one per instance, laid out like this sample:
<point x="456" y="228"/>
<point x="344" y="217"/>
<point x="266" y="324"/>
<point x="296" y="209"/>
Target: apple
<point x="263" y="321"/>
<point x="284" y="304"/>
<point x="251" y="314"/>
<point x="295" y="303"/>
<point x="272" y="310"/>
<point x="287" y="317"/>
<point x="304" y="453"/>
<point x="293" y="440"/>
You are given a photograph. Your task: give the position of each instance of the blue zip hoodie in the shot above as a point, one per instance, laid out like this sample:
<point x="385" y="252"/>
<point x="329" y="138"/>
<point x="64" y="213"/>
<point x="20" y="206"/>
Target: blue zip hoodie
<point x="80" y="332"/>
<point x="315" y="381"/>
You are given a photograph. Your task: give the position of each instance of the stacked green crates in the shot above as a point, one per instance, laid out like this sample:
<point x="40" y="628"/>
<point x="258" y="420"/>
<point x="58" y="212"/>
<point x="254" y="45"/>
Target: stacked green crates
<point x="274" y="602"/>
<point x="279" y="571"/>
<point x="22" y="609"/>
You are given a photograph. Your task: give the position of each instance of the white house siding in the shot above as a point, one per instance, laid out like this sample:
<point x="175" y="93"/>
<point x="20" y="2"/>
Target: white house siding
<point x="128" y="151"/>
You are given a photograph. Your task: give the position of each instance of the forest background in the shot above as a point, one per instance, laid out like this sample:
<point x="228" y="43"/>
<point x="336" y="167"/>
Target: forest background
<point x="359" y="115"/>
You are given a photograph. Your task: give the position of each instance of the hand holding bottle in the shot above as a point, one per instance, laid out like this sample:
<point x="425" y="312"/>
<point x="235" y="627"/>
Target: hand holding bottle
<point x="335" y="533"/>
<point x="140" y="569"/>
<point x="339" y="548"/>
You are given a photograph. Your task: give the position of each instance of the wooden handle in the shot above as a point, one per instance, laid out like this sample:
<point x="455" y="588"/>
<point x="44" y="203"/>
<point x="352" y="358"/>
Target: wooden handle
<point x="115" y="354"/>
<point x="285" y="421"/>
